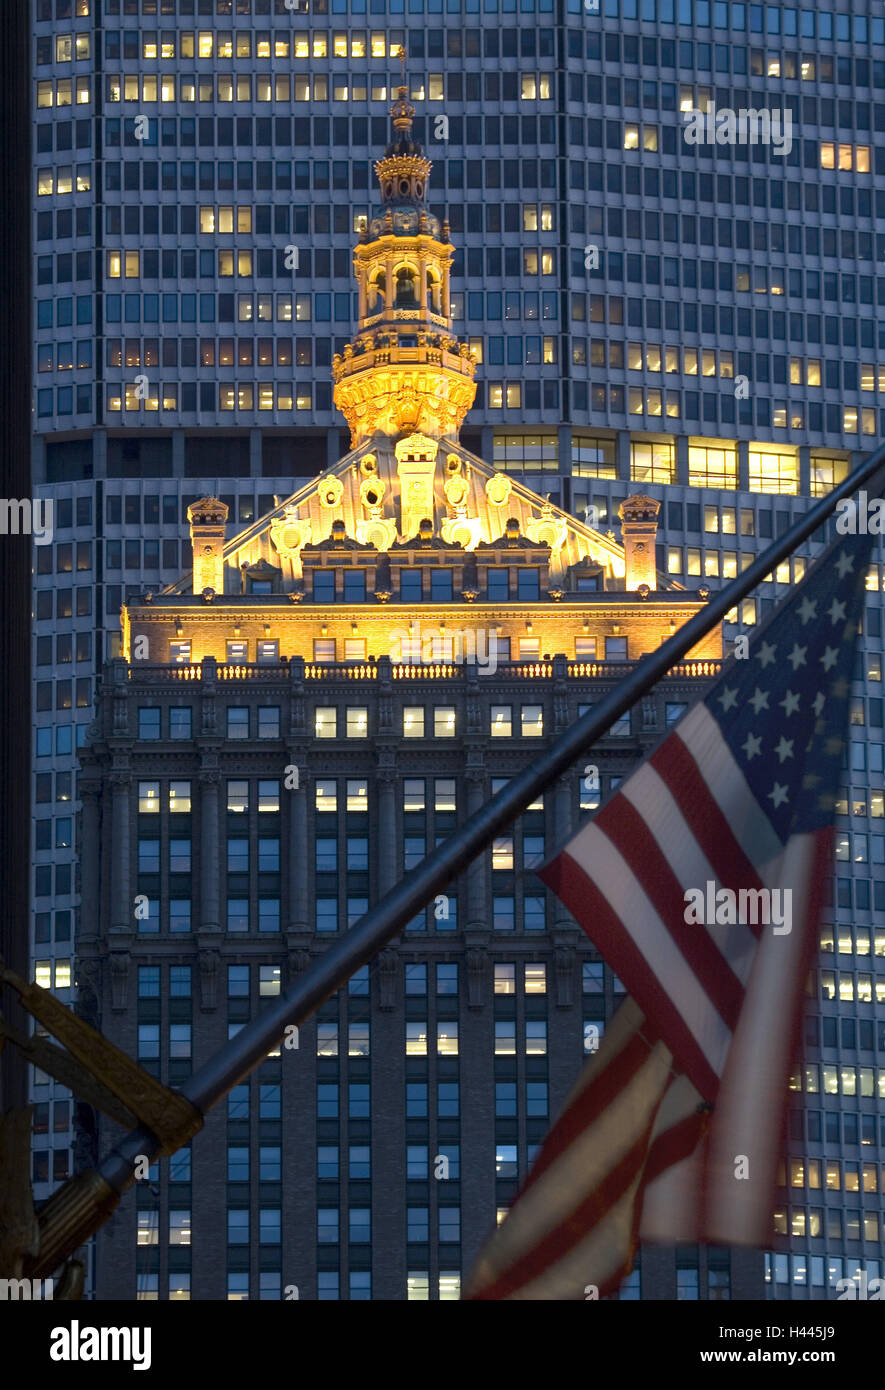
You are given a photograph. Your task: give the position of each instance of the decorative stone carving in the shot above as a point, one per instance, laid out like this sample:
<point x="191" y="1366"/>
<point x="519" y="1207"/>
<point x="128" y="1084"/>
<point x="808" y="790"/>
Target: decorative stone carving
<point x="639" y="525"/>
<point x="456" y="489"/>
<point x="388" y="972"/>
<point x="289" y="533"/>
<point x="119" y="961"/>
<point x="329" y="492"/>
<point x="465" y="531"/>
<point x="547" y="529"/>
<point x="564" y="974"/>
<point x="298" y="961"/>
<point x="416" y="467"/>
<point x="372" y="490"/>
<point x="208" y="962"/>
<point x="87" y="975"/>
<point x="377" y="531"/>
<point x="498" y="490"/>
<point x="476" y="973"/>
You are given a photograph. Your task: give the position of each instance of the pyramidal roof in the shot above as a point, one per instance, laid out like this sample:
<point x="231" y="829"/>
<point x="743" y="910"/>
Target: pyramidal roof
<point x="382" y="492"/>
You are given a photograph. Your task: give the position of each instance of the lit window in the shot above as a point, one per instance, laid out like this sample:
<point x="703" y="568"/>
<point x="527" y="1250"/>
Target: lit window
<point x="413" y="722"/>
<point x="500" y="721"/>
<point x="773" y="470"/>
<point x="712" y="465"/>
<point x="536" y="978"/>
<point x="326" y="723"/>
<point x="532" y="721"/>
<point x="652" y="462"/>
<point x="502" y="852"/>
<point x="357" y="722"/>
<point x="443" y="722"/>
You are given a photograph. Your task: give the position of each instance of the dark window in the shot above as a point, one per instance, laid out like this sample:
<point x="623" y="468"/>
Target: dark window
<point x="324" y="586"/>
<point x="410" y="585"/>
<point x="441" y="585"/>
<point x="499" y="585"/>
<point x="354" y="586"/>
<point x="527" y="584"/>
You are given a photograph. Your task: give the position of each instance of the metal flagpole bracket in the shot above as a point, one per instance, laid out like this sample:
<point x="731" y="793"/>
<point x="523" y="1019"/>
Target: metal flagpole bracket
<point x="166" y="1113"/>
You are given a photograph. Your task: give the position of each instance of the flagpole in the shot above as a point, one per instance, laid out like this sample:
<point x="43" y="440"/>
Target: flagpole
<point x="76" y="1210"/>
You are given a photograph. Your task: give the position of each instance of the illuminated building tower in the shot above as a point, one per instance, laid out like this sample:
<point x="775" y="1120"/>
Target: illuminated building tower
<point x="405" y="371"/>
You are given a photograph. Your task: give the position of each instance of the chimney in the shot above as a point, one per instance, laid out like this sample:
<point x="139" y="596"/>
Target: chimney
<point x="639" y="525"/>
<point x="207" y="518"/>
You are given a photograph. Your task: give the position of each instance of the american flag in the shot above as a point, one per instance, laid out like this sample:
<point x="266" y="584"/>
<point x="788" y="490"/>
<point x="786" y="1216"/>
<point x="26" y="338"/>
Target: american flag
<point x="673" y="1132"/>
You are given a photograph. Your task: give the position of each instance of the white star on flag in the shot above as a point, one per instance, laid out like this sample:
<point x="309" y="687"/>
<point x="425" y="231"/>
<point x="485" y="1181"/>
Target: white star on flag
<point x="797" y="656"/>
<point x="806" y="611"/>
<point x="836" y="611"/>
<point x="759" y="700"/>
<point x="789" y="704"/>
<point x="785" y="748"/>
<point x="844" y="564"/>
<point x="766" y="653"/>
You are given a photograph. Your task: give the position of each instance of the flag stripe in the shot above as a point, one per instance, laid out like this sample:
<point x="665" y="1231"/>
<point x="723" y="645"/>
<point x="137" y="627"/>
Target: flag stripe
<point x="548" y="1204"/>
<point x="593" y="1101"/>
<point x="629" y="833"/>
<point x="583" y="1218"/>
<point x="738" y="841"/>
<point x="765" y="1045"/>
<point x="662" y="813"/>
<point x="590" y="901"/>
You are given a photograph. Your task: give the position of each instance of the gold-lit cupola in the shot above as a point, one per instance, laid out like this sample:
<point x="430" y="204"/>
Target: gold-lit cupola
<point x="405" y="371"/>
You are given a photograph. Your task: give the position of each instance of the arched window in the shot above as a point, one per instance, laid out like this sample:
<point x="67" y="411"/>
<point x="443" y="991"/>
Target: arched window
<point x="377" y="287"/>
<point x="434" y="293"/>
<point x="405" y="288"/>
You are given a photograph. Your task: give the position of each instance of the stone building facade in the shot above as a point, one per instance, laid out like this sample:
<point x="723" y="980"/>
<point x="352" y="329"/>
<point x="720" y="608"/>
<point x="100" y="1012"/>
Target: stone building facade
<point x="295" y="723"/>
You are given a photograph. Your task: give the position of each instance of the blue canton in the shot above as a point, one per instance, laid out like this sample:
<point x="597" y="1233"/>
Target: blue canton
<point x="783" y="709"/>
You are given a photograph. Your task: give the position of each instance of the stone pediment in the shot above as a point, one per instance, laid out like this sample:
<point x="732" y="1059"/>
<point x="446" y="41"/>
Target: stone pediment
<point x="512" y="539"/>
<point x="338" y="539"/>
<point x="334" y="543"/>
<point x="420" y="542"/>
<point x="261" y="569"/>
<point x="366" y="499"/>
<point x="505" y="543"/>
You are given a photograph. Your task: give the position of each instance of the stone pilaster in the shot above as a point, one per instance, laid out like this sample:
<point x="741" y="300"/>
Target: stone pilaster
<point x="122" y="903"/>
<point x="210" y="884"/>
<point x="388" y="868"/>
<point x="298" y="920"/>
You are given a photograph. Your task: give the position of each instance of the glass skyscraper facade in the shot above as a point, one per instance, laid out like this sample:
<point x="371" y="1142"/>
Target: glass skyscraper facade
<point x="697" y="320"/>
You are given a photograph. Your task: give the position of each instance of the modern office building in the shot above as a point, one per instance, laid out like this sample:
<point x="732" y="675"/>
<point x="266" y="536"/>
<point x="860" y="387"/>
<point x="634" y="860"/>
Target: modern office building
<point x="698" y="321"/>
